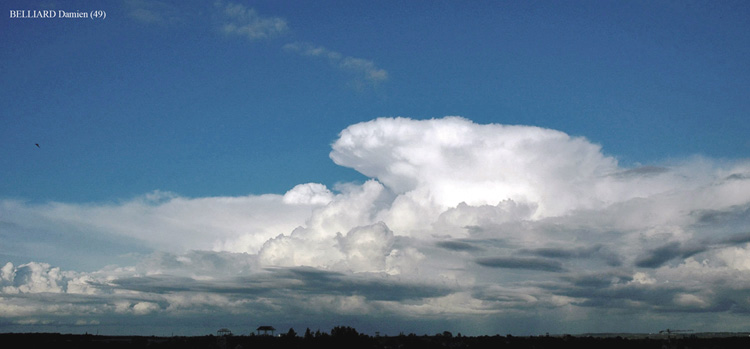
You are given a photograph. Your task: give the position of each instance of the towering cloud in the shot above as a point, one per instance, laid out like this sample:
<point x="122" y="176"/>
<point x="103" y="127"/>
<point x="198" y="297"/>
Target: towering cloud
<point x="482" y="224"/>
<point x="452" y="160"/>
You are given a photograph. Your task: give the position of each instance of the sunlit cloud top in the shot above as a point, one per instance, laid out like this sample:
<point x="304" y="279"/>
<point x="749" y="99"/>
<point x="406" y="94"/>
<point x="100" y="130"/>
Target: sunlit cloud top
<point x="483" y="168"/>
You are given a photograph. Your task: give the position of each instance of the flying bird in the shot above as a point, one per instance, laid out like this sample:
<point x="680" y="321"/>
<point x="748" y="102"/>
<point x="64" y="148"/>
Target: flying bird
<point x="37" y="145"/>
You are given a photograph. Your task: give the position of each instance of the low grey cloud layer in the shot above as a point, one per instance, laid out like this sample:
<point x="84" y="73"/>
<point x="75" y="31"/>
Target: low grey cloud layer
<point x="487" y="227"/>
<point x="521" y="263"/>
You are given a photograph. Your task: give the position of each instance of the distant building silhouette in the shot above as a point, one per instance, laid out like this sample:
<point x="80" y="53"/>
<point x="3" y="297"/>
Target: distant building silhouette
<point x="265" y="330"/>
<point x="224" y="332"/>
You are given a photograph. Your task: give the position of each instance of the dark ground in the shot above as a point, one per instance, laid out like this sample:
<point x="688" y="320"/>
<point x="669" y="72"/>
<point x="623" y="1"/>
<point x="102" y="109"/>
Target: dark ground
<point x="354" y="340"/>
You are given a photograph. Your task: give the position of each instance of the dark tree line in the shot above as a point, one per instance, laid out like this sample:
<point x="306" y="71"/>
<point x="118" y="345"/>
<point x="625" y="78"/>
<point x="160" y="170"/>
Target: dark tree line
<point x="348" y="337"/>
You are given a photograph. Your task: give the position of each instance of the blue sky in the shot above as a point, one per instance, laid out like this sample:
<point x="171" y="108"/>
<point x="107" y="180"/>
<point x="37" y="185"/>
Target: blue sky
<point x="267" y="131"/>
<point x="129" y="104"/>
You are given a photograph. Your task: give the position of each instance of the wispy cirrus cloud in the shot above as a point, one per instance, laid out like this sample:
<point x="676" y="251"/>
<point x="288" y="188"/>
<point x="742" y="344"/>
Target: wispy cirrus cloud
<point x="155" y="12"/>
<point x="245" y="21"/>
<point x="238" y="19"/>
<point x="363" y="68"/>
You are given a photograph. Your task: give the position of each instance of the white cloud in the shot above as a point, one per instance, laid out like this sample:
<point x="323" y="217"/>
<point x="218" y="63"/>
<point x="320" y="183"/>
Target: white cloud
<point x="447" y="161"/>
<point x="240" y="20"/>
<point x="244" y="21"/>
<point x="314" y="243"/>
<point x="477" y="223"/>
<point x="143" y="308"/>
<point x="366" y="247"/>
<point x="32" y="278"/>
<point x="173" y="223"/>
<point x="363" y="68"/>
<point x="307" y="49"/>
<point x="308" y="194"/>
<point x="155" y="12"/>
<point x="366" y="67"/>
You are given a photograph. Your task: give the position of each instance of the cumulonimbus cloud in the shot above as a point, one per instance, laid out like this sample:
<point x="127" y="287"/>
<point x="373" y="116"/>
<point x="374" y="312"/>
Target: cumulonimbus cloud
<point x="458" y="220"/>
<point x="453" y="160"/>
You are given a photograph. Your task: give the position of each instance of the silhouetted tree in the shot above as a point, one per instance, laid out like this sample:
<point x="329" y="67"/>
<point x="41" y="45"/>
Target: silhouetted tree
<point x="291" y="333"/>
<point x="344" y="332"/>
<point x="308" y="334"/>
